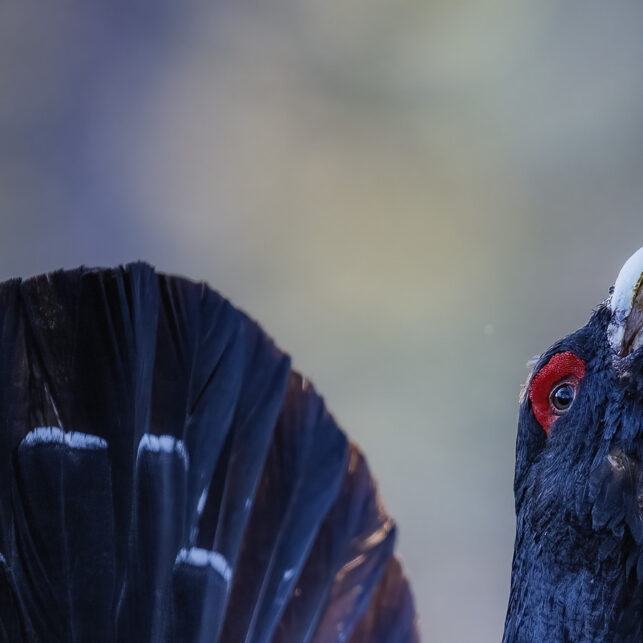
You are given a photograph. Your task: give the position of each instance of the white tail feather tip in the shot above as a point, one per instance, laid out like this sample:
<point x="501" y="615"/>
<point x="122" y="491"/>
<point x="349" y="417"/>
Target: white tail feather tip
<point x="204" y="558"/>
<point x="55" y="435"/>
<point x="163" y="444"/>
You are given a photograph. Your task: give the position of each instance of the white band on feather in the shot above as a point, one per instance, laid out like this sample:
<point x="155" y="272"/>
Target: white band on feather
<point x="626" y="287"/>
<point x="205" y="558"/>
<point x="73" y="439"/>
<point x="163" y="444"/>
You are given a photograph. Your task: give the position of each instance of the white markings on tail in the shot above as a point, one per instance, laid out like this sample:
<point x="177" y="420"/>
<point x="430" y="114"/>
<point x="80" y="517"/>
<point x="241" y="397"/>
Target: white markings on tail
<point x="201" y="504"/>
<point x="73" y="439"/>
<point x="163" y="444"/>
<point x="204" y="558"/>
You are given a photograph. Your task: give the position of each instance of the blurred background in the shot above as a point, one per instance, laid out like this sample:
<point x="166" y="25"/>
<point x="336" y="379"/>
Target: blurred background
<point x="412" y="197"/>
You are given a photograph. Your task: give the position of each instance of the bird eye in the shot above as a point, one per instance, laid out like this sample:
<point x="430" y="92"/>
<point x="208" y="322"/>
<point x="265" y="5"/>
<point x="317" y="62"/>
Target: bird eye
<point x="553" y="388"/>
<point x="561" y="397"/>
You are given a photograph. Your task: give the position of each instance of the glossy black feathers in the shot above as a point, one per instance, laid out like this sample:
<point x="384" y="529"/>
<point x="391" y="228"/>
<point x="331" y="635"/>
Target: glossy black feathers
<point x="578" y="561"/>
<point x="165" y="476"/>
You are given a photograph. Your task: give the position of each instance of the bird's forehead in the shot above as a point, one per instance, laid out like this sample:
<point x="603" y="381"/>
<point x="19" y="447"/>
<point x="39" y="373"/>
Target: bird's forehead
<point x="588" y="342"/>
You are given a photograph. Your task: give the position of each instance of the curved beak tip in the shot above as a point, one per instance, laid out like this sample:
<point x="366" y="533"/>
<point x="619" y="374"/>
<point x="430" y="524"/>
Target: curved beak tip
<point x="625" y="331"/>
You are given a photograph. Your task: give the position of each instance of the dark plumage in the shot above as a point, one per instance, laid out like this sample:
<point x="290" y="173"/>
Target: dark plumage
<point x="578" y="561"/>
<point x="166" y="476"/>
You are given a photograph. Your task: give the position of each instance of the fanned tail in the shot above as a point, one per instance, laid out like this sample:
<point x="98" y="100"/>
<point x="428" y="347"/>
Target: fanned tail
<point x="166" y="477"/>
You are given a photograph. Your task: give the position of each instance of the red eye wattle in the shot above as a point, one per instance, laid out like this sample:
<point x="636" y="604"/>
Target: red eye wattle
<point x="553" y="388"/>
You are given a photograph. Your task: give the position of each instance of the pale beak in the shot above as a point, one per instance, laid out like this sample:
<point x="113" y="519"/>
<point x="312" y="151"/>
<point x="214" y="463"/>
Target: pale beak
<point x="625" y="331"/>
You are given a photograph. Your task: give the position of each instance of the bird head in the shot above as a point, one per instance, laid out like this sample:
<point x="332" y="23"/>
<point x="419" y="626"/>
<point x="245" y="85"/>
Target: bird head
<point x="577" y="571"/>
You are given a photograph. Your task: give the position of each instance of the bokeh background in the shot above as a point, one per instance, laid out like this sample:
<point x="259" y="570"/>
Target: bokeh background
<point x="413" y="197"/>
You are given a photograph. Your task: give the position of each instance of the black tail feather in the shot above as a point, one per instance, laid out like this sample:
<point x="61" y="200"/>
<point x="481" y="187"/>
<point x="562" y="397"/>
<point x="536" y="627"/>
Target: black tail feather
<point x="391" y="614"/>
<point x="301" y="478"/>
<point x="200" y="589"/>
<point x="64" y="551"/>
<point x="158" y="532"/>
<point x="354" y="542"/>
<point x="12" y="628"/>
